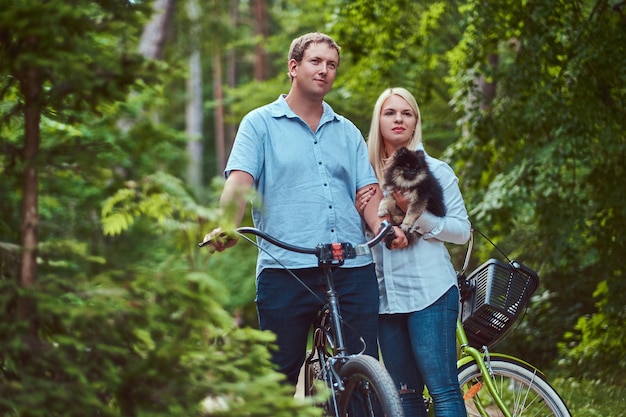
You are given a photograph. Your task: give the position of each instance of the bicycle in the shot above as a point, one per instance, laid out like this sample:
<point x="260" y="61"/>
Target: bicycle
<point x="342" y="384"/>
<point x="495" y="384"/>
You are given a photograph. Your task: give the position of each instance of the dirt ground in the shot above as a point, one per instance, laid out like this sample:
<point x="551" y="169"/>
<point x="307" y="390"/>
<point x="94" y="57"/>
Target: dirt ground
<point x="300" y="387"/>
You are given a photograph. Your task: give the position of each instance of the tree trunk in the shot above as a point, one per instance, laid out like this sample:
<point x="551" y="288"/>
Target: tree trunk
<point x="31" y="88"/>
<point x="194" y="108"/>
<point x="488" y="89"/>
<point x="260" y="32"/>
<point x="231" y="77"/>
<point x="193" y="121"/>
<point x="218" y="96"/>
<point x="155" y="32"/>
<point x="483" y="96"/>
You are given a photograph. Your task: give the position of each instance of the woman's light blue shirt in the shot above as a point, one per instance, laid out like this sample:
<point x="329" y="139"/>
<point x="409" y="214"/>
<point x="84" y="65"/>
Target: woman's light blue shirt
<point x="307" y="180"/>
<point x="411" y="279"/>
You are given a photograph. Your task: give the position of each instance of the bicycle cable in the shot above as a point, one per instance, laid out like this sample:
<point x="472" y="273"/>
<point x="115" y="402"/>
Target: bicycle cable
<point x="302" y="283"/>
<point x="284" y="267"/>
<point x="492" y="244"/>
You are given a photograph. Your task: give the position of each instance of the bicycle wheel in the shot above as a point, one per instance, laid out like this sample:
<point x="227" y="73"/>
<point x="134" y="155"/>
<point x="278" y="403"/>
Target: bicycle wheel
<point x="523" y="390"/>
<point x="368" y="390"/>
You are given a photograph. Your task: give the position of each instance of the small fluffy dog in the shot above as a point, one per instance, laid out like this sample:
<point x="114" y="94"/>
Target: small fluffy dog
<point x="409" y="173"/>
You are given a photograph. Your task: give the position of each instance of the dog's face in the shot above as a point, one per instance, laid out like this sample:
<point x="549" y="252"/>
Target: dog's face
<point x="407" y="168"/>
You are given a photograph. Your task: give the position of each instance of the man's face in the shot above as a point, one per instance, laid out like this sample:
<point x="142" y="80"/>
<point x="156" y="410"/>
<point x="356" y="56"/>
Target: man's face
<point x="316" y="72"/>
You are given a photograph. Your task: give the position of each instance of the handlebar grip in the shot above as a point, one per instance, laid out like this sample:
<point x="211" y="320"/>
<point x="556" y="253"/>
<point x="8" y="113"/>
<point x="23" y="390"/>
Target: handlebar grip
<point x="391" y="235"/>
<point x="224" y="236"/>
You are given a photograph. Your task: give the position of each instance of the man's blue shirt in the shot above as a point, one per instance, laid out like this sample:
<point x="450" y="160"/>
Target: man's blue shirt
<point x="307" y="181"/>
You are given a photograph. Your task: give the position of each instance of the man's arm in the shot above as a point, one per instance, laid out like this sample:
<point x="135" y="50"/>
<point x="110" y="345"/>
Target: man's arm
<point x="237" y="187"/>
<point x="233" y="202"/>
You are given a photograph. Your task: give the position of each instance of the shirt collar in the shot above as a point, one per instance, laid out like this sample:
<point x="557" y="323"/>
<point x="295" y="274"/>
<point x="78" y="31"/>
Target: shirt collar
<point x="282" y="109"/>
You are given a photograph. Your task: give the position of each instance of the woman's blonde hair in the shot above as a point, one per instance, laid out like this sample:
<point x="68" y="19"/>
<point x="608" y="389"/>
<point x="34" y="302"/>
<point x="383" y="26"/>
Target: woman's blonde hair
<point x="375" y="142"/>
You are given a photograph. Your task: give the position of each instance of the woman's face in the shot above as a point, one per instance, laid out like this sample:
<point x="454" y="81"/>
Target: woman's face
<point x="397" y="122"/>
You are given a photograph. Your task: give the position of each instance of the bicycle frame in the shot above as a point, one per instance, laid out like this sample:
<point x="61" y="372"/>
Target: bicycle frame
<point x="334" y="313"/>
<point x="321" y="338"/>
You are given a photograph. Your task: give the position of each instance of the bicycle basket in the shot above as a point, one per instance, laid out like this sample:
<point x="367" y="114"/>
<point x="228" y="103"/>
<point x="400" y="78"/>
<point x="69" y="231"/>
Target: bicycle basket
<point x="499" y="294"/>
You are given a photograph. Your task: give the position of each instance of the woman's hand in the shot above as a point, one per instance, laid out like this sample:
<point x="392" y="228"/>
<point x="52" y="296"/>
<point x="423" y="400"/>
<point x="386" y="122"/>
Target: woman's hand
<point x="401" y="200"/>
<point x="399" y="241"/>
<point x="363" y="196"/>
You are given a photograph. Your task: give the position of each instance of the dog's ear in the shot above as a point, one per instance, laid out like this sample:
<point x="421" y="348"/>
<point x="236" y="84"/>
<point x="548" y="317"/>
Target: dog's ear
<point x="401" y="152"/>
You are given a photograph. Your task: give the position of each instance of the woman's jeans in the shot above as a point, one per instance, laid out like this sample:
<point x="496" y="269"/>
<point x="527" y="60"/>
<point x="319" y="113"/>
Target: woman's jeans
<point x="288" y="309"/>
<point x="420" y="348"/>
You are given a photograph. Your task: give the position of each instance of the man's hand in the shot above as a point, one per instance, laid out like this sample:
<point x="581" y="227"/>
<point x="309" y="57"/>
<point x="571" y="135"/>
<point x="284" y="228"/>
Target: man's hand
<point x="219" y="240"/>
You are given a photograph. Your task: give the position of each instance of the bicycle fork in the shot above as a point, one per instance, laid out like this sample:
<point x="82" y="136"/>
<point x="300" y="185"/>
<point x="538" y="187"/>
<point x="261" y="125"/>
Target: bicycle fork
<point x="484" y="365"/>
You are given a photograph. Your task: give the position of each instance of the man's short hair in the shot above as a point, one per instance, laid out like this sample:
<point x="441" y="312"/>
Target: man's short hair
<point x="300" y="44"/>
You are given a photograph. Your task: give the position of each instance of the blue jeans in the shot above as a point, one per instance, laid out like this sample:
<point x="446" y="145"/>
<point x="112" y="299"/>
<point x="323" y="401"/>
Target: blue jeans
<point x="418" y="349"/>
<point x="288" y="309"/>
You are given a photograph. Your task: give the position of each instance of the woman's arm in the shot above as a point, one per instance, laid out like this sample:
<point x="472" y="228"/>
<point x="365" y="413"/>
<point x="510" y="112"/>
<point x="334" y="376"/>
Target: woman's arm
<point x="455" y="226"/>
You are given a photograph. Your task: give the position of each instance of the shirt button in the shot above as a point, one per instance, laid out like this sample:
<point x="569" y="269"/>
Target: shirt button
<point x="320" y="163"/>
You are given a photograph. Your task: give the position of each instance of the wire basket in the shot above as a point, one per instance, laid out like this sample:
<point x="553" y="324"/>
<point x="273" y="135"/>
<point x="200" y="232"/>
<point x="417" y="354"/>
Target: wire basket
<point x="499" y="294"/>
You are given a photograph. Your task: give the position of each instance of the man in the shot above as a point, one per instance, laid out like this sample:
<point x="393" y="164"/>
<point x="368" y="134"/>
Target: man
<point x="307" y="163"/>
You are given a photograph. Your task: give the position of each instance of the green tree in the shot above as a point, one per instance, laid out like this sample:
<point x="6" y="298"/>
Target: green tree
<point x="57" y="60"/>
<point x="111" y="326"/>
<point x="542" y="159"/>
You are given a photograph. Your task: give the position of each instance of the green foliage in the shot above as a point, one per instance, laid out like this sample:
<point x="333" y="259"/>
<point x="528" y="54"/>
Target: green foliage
<point x="396" y="43"/>
<point x="252" y="95"/>
<point x="132" y="339"/>
<point x="138" y="342"/>
<point x="591" y="398"/>
<point x="124" y="324"/>
<point x="238" y="282"/>
<point x="180" y="214"/>
<point x="73" y="52"/>
<point x="596" y="340"/>
<point x="542" y="161"/>
<point x="540" y="165"/>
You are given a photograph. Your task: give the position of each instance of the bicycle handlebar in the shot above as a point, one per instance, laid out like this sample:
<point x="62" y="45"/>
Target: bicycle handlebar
<point x="328" y="253"/>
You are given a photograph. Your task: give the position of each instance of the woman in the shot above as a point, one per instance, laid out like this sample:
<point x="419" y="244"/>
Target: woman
<point x="419" y="298"/>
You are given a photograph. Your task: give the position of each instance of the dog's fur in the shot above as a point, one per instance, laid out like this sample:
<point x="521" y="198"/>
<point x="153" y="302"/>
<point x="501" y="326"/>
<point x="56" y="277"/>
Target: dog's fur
<point x="410" y="174"/>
